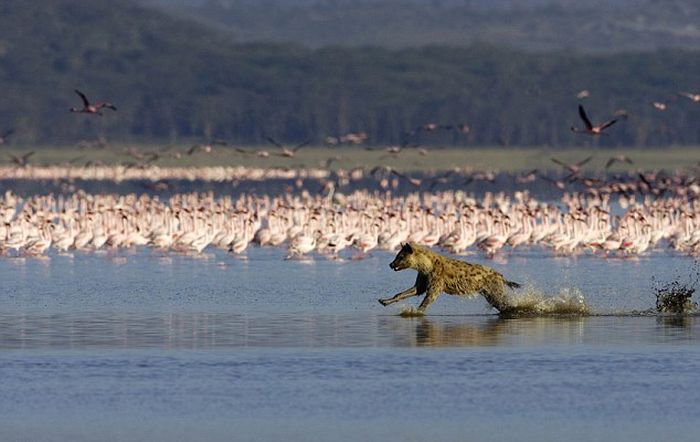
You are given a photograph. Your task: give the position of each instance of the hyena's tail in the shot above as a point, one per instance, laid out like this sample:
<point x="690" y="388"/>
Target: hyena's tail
<point x="513" y="285"/>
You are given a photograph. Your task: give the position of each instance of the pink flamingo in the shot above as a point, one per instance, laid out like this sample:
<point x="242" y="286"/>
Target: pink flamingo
<point x="590" y="128"/>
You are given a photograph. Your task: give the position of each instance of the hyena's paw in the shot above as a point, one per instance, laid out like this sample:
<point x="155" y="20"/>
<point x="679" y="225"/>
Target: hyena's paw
<point x="384" y="302"/>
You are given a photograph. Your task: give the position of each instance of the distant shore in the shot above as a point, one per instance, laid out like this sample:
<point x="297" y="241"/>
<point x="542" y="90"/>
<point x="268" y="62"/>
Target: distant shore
<point x="408" y="159"/>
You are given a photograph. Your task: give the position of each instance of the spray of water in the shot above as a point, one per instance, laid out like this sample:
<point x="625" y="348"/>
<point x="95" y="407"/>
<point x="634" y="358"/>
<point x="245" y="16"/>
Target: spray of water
<point x="409" y="311"/>
<point x="531" y="301"/>
<point x="676" y="296"/>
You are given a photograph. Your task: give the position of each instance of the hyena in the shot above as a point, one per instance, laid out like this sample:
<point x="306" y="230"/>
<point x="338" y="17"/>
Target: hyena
<point x="437" y="274"/>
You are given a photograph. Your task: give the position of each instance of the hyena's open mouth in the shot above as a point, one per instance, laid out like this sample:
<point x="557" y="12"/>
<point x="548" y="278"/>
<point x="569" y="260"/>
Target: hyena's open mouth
<point x="396" y="267"/>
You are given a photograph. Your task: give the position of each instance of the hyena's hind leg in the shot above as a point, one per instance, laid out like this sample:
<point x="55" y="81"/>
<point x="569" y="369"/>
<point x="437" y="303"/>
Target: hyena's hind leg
<point x="495" y="294"/>
<point x="417" y="289"/>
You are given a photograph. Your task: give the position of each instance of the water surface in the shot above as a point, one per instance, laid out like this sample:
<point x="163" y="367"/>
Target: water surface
<point x="139" y="346"/>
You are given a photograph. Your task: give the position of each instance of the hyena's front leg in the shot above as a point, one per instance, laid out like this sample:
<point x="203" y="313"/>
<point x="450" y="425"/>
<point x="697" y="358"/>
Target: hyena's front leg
<point x="403" y="295"/>
<point x="430" y="297"/>
<point x="417" y="289"/>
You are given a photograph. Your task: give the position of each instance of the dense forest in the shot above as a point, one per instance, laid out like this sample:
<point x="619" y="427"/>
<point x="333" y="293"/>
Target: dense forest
<point x="591" y="26"/>
<point x="174" y="80"/>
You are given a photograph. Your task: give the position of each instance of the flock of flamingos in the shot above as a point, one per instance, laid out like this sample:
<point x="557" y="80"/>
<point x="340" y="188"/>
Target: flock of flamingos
<point x="623" y="216"/>
<point x="612" y="216"/>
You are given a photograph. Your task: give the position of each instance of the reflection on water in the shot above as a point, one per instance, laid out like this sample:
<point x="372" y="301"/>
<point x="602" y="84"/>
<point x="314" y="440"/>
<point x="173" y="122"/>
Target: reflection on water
<point x="677" y="327"/>
<point x="222" y="330"/>
<point x="432" y="334"/>
<point x="504" y="182"/>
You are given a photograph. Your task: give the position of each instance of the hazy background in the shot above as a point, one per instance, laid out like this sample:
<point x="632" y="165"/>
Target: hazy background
<point x="595" y="25"/>
<point x="194" y="70"/>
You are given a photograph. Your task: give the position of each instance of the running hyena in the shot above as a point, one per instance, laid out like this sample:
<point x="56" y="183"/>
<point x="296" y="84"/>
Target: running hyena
<point x="437" y="274"/>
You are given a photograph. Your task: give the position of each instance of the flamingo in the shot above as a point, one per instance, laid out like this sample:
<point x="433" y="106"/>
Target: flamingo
<point x="286" y="151"/>
<point x="302" y="244"/>
<point x="618" y="158"/>
<point x="5" y="134"/>
<point x="692" y="97"/>
<point x="39" y="246"/>
<point x="574" y="168"/>
<point x="365" y="242"/>
<point x="590" y="129"/>
<point x="21" y="161"/>
<point x="89" y="108"/>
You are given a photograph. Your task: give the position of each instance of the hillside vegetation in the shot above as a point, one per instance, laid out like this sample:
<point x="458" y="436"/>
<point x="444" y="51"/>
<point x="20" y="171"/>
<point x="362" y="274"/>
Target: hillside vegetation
<point x="174" y="80"/>
<point x="592" y="26"/>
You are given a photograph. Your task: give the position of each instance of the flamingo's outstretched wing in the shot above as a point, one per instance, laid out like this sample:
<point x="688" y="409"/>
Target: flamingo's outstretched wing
<point x="561" y="163"/>
<point x="86" y="103"/>
<point x="107" y="104"/>
<point x="584" y="117"/>
<point x="273" y="141"/>
<point x="581" y="163"/>
<point x="300" y="145"/>
<point x="608" y="124"/>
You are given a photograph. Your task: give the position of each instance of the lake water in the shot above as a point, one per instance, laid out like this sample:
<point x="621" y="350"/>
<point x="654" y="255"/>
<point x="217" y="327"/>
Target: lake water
<point x="144" y="347"/>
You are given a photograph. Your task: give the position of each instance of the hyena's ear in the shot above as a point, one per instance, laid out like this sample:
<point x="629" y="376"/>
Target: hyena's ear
<point x="407" y="248"/>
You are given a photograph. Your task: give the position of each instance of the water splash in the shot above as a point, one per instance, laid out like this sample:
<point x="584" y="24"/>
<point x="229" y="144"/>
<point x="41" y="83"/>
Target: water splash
<point x="408" y="311"/>
<point x="676" y="296"/>
<point x="532" y="301"/>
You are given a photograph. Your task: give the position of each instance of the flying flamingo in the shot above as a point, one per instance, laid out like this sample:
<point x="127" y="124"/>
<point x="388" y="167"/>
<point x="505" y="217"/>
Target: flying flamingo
<point x="5" y="135"/>
<point x="574" y="168"/>
<point x="618" y="158"/>
<point x="287" y="152"/>
<point x="413" y="181"/>
<point x="590" y="128"/>
<point x="692" y="97"/>
<point x="21" y="161"/>
<point x="89" y="108"/>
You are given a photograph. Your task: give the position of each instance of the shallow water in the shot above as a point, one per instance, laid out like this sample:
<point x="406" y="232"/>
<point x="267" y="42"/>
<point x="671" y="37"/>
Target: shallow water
<point x="139" y="346"/>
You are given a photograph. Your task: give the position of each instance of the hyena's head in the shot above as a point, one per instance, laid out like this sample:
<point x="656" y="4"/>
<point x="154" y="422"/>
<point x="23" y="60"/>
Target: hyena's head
<point x="404" y="259"/>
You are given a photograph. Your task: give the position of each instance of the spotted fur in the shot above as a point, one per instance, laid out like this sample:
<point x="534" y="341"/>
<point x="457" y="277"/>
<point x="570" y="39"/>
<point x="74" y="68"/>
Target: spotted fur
<point x="438" y="274"/>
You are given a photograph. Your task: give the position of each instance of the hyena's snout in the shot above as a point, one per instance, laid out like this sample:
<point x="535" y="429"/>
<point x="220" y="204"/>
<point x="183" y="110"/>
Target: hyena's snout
<point x="397" y="265"/>
<point x="402" y="259"/>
